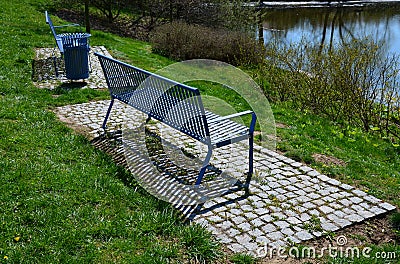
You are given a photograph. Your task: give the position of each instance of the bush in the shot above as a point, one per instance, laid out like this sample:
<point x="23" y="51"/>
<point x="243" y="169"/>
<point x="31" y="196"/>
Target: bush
<point x="351" y="82"/>
<point x="181" y="41"/>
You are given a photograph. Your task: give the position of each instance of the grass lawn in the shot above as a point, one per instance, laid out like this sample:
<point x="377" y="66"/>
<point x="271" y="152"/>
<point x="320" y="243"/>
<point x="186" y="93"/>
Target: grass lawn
<point x="61" y="200"/>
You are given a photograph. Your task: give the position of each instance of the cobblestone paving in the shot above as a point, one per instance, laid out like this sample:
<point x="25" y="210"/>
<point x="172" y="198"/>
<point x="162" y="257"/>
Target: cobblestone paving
<point x="289" y="202"/>
<point x="44" y="71"/>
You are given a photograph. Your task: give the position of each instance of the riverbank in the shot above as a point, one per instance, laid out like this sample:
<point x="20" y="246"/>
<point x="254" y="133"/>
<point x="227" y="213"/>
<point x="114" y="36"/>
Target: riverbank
<point x="317" y="4"/>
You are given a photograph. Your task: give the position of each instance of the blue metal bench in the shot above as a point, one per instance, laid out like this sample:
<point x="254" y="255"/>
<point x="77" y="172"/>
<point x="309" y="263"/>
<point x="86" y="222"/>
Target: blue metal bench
<point x="58" y="37"/>
<point x="177" y="105"/>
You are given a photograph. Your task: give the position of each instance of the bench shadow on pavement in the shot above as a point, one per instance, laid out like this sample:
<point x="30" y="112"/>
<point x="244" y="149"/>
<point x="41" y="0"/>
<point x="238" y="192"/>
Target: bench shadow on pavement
<point x="111" y="143"/>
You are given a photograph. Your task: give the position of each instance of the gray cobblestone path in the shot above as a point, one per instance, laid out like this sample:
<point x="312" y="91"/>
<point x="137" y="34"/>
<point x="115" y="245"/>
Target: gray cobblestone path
<point x="289" y="202"/>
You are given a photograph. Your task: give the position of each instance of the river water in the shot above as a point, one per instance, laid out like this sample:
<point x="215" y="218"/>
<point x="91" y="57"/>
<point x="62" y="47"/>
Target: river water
<point x="332" y="25"/>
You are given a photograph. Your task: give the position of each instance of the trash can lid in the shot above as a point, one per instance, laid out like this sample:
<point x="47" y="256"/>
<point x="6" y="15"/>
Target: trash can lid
<point x="75" y="39"/>
<point x="75" y="35"/>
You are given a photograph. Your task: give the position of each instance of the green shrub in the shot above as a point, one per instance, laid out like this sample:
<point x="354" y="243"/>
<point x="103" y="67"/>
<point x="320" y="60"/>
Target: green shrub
<point x="351" y="82"/>
<point x="181" y="41"/>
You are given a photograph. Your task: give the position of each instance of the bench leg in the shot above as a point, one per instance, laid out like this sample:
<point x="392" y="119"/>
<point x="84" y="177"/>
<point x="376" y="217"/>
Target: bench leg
<point x="108" y="114"/>
<point x="55" y="63"/>
<point x="205" y="165"/>
<point x="250" y="173"/>
<point x="55" y="66"/>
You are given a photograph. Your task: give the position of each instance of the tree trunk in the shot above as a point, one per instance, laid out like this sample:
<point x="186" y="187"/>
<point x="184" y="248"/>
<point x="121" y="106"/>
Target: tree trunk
<point x="259" y="22"/>
<point x="87" y="20"/>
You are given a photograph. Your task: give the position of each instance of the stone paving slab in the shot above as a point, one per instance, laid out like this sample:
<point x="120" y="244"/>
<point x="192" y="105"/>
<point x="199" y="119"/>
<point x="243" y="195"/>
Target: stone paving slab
<point x="44" y="72"/>
<point x="289" y="202"/>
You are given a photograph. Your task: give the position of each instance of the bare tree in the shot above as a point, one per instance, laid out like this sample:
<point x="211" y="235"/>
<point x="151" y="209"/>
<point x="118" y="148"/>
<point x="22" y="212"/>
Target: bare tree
<point x="110" y="8"/>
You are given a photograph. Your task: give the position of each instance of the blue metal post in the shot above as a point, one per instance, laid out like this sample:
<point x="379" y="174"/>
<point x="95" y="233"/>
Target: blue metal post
<point x="251" y="146"/>
<point x="205" y="165"/>
<point x="108" y="114"/>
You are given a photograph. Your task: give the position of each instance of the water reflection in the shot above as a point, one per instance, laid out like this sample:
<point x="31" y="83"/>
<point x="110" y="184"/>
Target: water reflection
<point x="331" y="25"/>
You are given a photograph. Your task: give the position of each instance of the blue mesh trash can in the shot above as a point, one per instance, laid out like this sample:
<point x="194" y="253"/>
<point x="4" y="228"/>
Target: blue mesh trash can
<point x="76" y="55"/>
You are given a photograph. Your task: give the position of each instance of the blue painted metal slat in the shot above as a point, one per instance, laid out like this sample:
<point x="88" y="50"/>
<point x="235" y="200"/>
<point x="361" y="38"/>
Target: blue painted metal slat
<point x="177" y="105"/>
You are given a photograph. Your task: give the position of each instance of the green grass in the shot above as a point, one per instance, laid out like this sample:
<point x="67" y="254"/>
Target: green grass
<point x="372" y="163"/>
<point x="136" y="52"/>
<point x="242" y="259"/>
<point x="61" y="200"/>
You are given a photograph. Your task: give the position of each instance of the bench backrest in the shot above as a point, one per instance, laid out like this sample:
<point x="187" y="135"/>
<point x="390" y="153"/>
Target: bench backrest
<point x="175" y="104"/>
<point x="50" y="22"/>
<point x="53" y="30"/>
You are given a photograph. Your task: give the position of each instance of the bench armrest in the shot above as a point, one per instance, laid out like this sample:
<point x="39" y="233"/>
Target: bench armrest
<point x="67" y="25"/>
<point x="252" y="123"/>
<point x="230" y="116"/>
